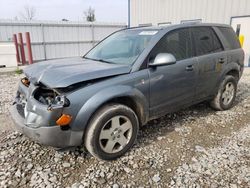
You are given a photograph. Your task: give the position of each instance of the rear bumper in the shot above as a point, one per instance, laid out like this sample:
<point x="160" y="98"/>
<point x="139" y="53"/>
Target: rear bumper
<point x="51" y="135"/>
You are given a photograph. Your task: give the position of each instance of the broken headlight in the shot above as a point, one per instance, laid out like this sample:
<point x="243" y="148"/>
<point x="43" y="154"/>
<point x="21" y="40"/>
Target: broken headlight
<point x="25" y="81"/>
<point x="60" y="102"/>
<point x="51" y="98"/>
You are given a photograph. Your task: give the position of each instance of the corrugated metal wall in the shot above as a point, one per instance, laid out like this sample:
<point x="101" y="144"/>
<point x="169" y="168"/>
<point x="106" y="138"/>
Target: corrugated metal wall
<point x="58" y="39"/>
<point x="175" y="11"/>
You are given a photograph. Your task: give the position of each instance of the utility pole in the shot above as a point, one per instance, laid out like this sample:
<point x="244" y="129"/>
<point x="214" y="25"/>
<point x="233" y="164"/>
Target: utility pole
<point x="128" y="13"/>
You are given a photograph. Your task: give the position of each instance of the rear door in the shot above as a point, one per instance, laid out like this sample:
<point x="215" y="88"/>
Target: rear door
<point x="173" y="86"/>
<point x="211" y="58"/>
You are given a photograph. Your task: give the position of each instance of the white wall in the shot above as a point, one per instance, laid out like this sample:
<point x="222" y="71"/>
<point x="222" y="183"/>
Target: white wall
<point x="7" y="54"/>
<point x="214" y="11"/>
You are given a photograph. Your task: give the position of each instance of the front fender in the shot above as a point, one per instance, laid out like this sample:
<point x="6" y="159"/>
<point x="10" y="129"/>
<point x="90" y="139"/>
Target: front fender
<point x="105" y="95"/>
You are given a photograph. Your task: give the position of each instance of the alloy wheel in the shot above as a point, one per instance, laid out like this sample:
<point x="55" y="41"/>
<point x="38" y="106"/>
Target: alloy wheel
<point x="228" y="93"/>
<point x="115" y="134"/>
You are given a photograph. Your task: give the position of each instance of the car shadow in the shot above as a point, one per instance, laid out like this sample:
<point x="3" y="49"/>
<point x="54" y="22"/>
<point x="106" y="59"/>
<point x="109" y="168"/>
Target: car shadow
<point x="166" y="124"/>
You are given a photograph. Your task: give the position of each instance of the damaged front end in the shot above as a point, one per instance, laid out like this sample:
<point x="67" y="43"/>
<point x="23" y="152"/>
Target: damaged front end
<point x="36" y="112"/>
<point x="39" y="105"/>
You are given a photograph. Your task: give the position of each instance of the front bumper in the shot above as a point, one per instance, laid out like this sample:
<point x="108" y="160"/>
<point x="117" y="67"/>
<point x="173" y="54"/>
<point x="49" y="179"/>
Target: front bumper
<point x="50" y="135"/>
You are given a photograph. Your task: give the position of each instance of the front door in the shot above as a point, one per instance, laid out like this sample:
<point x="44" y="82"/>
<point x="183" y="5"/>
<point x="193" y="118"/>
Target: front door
<point x="173" y="86"/>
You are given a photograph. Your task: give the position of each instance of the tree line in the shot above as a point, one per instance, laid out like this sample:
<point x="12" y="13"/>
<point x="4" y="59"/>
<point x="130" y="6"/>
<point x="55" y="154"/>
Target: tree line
<point x="29" y="13"/>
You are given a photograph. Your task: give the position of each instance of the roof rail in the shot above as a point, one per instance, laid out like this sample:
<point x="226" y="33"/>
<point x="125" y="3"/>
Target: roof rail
<point x="146" y="25"/>
<point x="195" y="21"/>
<point x="140" y="26"/>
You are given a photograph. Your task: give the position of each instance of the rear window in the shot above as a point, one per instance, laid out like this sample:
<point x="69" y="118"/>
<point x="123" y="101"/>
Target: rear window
<point x="206" y="41"/>
<point x="230" y="37"/>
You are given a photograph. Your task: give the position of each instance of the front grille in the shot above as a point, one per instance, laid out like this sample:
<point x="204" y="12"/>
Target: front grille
<point x="20" y="109"/>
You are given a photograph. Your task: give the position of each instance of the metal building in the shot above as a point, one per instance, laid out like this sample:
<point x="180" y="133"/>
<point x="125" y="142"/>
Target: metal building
<point x="163" y="12"/>
<point x="176" y="11"/>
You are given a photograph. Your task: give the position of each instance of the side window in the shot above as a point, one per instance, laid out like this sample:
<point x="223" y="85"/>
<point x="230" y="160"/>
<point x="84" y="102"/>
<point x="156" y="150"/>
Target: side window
<point x="177" y="42"/>
<point x="206" y="41"/>
<point x="230" y="37"/>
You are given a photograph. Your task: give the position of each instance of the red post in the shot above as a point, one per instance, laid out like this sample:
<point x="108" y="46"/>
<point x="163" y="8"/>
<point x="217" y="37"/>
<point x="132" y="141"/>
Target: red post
<point x="30" y="58"/>
<point x="17" y="51"/>
<point x="20" y="38"/>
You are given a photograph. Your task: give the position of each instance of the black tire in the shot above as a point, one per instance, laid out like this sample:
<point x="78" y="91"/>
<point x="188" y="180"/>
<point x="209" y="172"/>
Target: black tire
<point x="98" y="123"/>
<point x="218" y="102"/>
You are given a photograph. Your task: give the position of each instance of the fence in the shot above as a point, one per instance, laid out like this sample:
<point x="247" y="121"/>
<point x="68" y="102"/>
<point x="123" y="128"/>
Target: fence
<point x="51" y="40"/>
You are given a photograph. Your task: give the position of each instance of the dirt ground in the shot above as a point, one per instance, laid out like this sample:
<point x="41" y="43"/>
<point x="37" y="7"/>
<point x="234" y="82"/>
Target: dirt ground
<point x="195" y="147"/>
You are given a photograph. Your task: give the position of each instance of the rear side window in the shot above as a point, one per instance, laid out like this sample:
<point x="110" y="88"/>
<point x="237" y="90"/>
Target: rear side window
<point x="177" y="43"/>
<point x="230" y="37"/>
<point x="206" y="41"/>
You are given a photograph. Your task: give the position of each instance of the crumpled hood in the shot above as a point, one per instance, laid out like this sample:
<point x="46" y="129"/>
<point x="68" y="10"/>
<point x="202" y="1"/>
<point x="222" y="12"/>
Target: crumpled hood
<point x="61" y="73"/>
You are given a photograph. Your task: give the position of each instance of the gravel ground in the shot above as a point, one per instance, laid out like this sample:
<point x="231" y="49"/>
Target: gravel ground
<point x="196" y="147"/>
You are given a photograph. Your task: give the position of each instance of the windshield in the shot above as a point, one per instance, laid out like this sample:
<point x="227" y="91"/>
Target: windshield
<point x="122" y="47"/>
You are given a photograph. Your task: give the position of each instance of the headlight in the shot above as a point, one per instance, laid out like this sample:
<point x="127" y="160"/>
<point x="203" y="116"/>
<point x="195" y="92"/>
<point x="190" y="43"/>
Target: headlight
<point x="51" y="98"/>
<point x="25" y="81"/>
<point x="59" y="102"/>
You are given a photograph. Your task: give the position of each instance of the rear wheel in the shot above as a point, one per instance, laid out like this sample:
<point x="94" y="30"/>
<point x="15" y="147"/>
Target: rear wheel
<point x="226" y="94"/>
<point x="111" y="132"/>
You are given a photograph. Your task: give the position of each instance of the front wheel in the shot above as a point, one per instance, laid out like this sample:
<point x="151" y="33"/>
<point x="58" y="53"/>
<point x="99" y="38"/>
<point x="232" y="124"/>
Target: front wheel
<point x="111" y="132"/>
<point x="226" y="94"/>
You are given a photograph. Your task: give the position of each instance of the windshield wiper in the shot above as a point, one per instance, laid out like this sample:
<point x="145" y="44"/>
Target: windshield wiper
<point x="105" y="61"/>
<point x="101" y="60"/>
<point x="87" y="58"/>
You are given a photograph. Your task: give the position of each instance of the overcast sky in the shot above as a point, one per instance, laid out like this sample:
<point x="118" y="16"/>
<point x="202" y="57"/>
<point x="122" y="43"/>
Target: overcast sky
<point x="106" y="10"/>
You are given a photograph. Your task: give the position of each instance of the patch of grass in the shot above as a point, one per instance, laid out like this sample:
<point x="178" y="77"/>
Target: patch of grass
<point x="18" y="71"/>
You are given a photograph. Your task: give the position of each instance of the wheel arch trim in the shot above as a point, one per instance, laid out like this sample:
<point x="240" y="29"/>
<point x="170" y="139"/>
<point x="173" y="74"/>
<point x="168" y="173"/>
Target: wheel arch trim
<point x="230" y="67"/>
<point x="107" y="95"/>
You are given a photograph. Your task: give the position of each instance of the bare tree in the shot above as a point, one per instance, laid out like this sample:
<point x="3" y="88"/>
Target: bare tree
<point x="90" y="14"/>
<point x="28" y="13"/>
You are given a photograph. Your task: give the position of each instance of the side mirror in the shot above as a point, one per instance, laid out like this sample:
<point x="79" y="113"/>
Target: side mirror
<point x="163" y="59"/>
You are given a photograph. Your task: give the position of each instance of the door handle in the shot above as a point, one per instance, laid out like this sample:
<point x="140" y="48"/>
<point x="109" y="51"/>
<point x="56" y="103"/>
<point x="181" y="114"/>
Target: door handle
<point x="189" y="68"/>
<point x="221" y="60"/>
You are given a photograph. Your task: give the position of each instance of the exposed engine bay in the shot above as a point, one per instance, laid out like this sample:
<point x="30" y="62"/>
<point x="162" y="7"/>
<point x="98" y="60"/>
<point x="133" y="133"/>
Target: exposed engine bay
<point x="46" y="96"/>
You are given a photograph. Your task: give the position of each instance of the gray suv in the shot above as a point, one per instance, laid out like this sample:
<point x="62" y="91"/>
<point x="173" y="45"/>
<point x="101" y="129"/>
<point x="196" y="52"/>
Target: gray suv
<point x="135" y="75"/>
